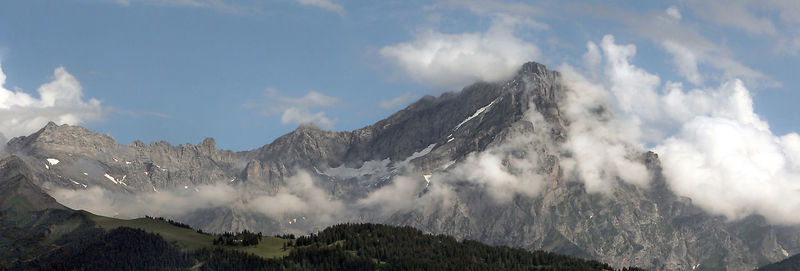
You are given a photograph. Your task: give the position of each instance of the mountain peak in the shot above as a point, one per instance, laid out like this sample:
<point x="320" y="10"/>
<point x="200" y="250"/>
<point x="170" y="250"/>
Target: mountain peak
<point x="60" y="136"/>
<point x="50" y="125"/>
<point x="533" y="67"/>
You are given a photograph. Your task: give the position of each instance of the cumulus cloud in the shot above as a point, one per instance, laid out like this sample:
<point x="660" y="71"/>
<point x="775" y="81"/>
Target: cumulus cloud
<point x="454" y="60"/>
<point x="60" y="100"/>
<point x="714" y="148"/>
<point x="297" y="110"/>
<point x="734" y="169"/>
<point x="324" y="4"/>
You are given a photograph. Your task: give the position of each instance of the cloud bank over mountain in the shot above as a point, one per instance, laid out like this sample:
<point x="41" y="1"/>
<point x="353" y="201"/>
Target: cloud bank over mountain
<point x="60" y="100"/>
<point x="451" y="61"/>
<point x="714" y="148"/>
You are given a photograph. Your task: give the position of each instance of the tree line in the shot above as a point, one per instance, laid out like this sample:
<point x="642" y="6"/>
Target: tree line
<point x="339" y="247"/>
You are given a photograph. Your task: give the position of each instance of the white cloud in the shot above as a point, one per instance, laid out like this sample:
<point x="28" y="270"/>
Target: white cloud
<point x="324" y="4"/>
<point x="60" y="100"/>
<point x="399" y="195"/>
<point x="510" y="167"/>
<point x="297" y="110"/>
<point x="500" y="174"/>
<point x="734" y="169"/>
<point x="455" y="60"/>
<point x="602" y="148"/>
<point x="714" y="148"/>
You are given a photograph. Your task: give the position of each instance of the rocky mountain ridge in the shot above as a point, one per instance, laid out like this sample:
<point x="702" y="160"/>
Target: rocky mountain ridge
<point x="642" y="226"/>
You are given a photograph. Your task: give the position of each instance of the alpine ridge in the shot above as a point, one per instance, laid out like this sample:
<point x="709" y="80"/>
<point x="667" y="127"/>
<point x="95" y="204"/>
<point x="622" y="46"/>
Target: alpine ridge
<point x="419" y="150"/>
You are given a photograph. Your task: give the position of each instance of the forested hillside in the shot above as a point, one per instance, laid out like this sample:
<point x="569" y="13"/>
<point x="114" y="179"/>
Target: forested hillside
<point x="340" y="247"/>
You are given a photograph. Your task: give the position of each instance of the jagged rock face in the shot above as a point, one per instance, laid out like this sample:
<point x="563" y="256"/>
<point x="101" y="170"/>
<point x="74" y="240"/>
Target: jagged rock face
<point x="643" y="226"/>
<point x="73" y="157"/>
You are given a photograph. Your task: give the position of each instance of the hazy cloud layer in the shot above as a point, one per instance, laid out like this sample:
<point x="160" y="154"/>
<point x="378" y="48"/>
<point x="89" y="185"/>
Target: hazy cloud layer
<point x="168" y="203"/>
<point x="60" y="100"/>
<point x="300" y="196"/>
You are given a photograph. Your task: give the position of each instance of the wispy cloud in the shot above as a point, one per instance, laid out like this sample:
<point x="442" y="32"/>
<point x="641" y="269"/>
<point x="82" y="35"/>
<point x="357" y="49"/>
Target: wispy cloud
<point x="217" y="5"/>
<point x="689" y="47"/>
<point x="776" y="20"/>
<point x="328" y="5"/>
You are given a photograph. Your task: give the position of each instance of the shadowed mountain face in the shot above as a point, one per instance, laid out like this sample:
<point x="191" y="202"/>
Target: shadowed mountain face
<point x="418" y="151"/>
<point x="30" y="219"/>
<point x="18" y="194"/>
<point x="789" y="264"/>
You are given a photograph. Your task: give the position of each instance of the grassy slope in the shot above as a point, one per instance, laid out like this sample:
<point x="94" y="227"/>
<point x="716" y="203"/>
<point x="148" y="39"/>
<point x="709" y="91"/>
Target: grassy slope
<point x="186" y="239"/>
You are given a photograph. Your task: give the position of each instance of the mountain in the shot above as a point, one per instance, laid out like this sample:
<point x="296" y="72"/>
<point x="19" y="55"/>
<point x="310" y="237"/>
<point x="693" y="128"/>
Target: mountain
<point x="18" y="194"/>
<point x="40" y="234"/>
<point x="789" y="264"/>
<point x="431" y="143"/>
<point x="30" y="219"/>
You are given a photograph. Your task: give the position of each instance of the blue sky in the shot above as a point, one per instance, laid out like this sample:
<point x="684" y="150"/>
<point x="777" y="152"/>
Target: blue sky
<point x="246" y="72"/>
